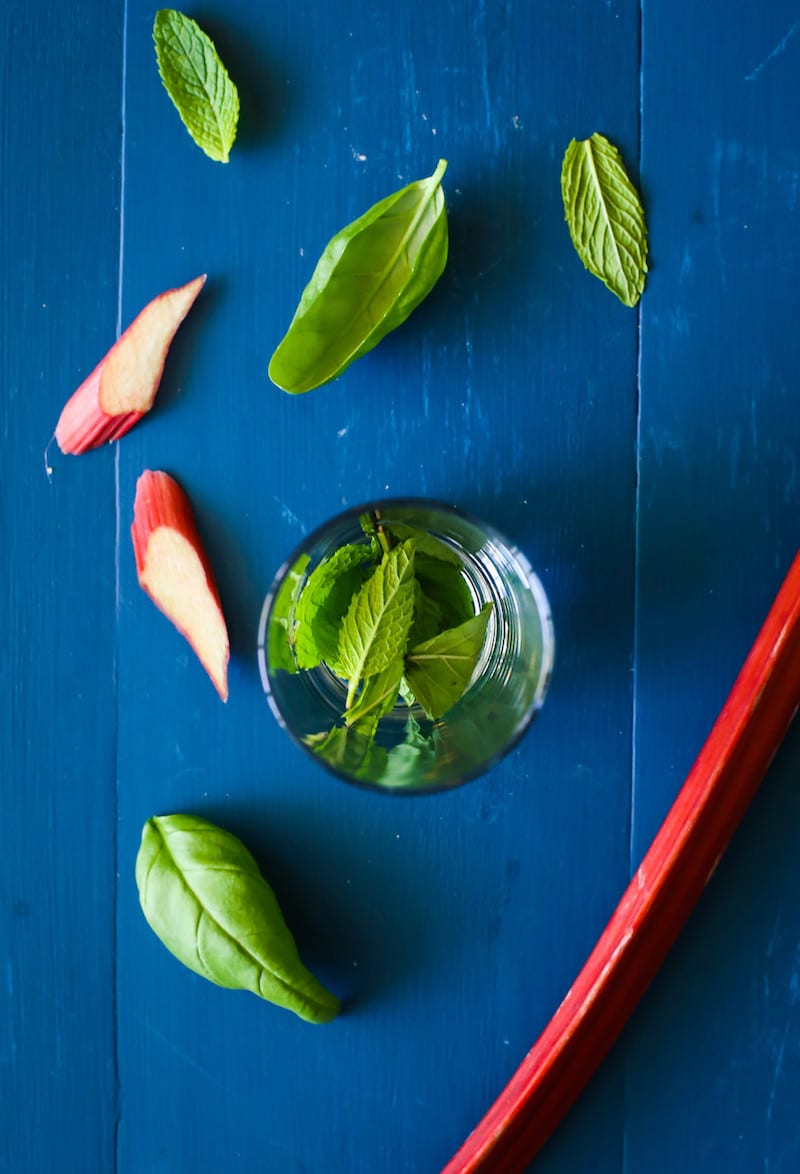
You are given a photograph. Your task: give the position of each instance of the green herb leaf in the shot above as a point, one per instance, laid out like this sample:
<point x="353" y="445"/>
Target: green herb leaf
<point x="440" y="670"/>
<point x="445" y="585"/>
<point x="427" y="620"/>
<point x="426" y="543"/>
<point x="324" y="600"/>
<point x="378" y="695"/>
<point x="203" y="896"/>
<point x="408" y="763"/>
<point x="368" y="280"/>
<point x="281" y="620"/>
<point x="197" y="82"/>
<point x="351" y="749"/>
<point x="605" y="216"/>
<point x="375" y="629"/>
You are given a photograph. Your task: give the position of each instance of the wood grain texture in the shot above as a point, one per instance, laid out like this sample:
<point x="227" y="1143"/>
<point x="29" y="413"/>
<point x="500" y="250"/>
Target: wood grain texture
<point x="521" y="390"/>
<point x="716" y="1047"/>
<point x="59" y="232"/>
<point x="511" y="391"/>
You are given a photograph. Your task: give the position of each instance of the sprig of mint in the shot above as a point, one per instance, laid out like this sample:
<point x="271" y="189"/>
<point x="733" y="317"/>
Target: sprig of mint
<point x="394" y="617"/>
<point x="197" y="82"/>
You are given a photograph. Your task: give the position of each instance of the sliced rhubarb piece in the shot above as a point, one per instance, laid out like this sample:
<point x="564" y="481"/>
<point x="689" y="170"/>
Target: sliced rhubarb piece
<point x="174" y="570"/>
<point x="123" y="385"/>
<point x="656" y="904"/>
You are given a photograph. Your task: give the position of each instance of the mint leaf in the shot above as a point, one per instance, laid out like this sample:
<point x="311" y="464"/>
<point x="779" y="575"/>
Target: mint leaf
<point x="445" y="585"/>
<point x="378" y="695"/>
<point x="426" y="543"/>
<point x="427" y="620"/>
<point x="440" y="670"/>
<point x="605" y="216"/>
<point x="324" y="600"/>
<point x="281" y="620"/>
<point x="408" y="763"/>
<point x="375" y="629"/>
<point x="197" y="82"/>
<point x="350" y="749"/>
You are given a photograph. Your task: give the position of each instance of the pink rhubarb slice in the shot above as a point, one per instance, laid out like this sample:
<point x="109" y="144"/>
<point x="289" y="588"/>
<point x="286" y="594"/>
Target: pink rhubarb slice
<point x="656" y="904"/>
<point x="174" y="570"/>
<point x="123" y="385"/>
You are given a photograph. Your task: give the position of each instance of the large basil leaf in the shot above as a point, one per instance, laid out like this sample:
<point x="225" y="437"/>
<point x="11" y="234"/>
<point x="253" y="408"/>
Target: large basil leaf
<point x="203" y="896"/>
<point x="368" y="280"/>
<point x="605" y="216"/>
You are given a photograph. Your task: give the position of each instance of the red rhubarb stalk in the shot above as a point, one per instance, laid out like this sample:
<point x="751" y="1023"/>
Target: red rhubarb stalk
<point x="174" y="570"/>
<point x="656" y="904"/>
<point x="123" y="385"/>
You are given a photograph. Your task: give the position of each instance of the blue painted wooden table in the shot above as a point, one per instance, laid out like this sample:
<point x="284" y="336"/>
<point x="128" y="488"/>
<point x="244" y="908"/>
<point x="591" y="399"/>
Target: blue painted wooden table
<point x="646" y="460"/>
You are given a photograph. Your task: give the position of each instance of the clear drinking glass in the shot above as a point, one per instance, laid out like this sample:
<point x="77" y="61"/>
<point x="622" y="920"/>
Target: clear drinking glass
<point x="410" y="753"/>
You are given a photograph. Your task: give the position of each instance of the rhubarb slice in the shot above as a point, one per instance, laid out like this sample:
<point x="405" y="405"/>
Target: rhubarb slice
<point x="123" y="385"/>
<point x="656" y="904"/>
<point x="174" y="570"/>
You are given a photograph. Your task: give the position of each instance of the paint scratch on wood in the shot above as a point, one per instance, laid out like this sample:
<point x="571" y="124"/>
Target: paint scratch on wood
<point x="776" y="52"/>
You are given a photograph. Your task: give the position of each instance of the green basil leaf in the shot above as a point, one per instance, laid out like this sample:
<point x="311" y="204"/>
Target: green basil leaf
<point x="368" y="280"/>
<point x="375" y="629"/>
<point x="281" y="620"/>
<point x="197" y="82"/>
<point x="440" y="670"/>
<point x="605" y="216"/>
<point x="203" y="896"/>
<point x="323" y="602"/>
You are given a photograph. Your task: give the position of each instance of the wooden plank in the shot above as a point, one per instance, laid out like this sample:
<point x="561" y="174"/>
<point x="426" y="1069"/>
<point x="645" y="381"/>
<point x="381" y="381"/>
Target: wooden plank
<point x="714" y="1050"/>
<point x="59" y="229"/>
<point x="451" y="925"/>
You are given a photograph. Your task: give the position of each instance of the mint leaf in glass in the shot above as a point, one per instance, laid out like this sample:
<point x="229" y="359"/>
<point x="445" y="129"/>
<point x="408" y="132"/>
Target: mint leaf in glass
<point x="280" y="653"/>
<point x="408" y="762"/>
<point x="323" y="602"/>
<point x="446" y="586"/>
<point x="440" y="670"/>
<point x="427" y="620"/>
<point x="605" y="216"/>
<point x="197" y="82"/>
<point x="375" y="628"/>
<point x="378" y="695"/>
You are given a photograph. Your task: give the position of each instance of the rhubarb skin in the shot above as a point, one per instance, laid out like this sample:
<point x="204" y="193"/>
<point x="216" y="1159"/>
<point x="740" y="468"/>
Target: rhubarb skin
<point x="656" y="904"/>
<point x="174" y="570"/>
<point x="123" y="385"/>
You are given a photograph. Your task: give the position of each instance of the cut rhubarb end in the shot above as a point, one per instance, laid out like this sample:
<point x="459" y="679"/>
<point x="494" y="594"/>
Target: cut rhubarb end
<point x="123" y="386"/>
<point x="174" y="570"/>
<point x="656" y="904"/>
